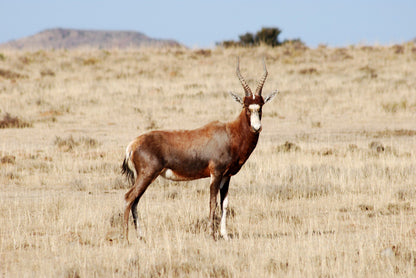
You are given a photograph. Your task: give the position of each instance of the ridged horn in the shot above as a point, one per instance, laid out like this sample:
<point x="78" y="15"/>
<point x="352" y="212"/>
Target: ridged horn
<point x="247" y="89"/>
<point x="262" y="80"/>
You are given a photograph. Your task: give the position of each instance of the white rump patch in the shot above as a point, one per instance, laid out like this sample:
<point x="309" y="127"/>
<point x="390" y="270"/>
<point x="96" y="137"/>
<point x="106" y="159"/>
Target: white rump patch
<point x="130" y="163"/>
<point x="170" y="175"/>
<point x="255" y="116"/>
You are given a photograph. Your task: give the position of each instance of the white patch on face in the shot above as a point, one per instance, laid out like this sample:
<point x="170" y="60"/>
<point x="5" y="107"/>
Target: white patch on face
<point x="255" y="116"/>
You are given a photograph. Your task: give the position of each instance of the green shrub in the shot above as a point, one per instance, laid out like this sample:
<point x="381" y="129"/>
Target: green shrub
<point x="266" y="36"/>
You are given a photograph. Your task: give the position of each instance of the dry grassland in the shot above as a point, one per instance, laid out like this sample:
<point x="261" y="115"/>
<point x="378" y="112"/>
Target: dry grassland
<point x="329" y="191"/>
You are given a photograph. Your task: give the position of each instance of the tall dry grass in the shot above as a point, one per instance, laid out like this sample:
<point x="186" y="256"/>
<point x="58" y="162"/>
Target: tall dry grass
<point x="329" y="191"/>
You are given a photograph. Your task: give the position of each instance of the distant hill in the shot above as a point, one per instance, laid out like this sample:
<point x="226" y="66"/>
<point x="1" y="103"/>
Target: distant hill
<point x="73" y="38"/>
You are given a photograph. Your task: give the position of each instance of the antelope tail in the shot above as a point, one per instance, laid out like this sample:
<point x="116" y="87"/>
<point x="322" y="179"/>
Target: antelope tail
<point x="127" y="168"/>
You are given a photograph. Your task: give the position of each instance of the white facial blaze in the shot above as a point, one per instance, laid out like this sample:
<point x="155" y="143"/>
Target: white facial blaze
<point x="255" y="116"/>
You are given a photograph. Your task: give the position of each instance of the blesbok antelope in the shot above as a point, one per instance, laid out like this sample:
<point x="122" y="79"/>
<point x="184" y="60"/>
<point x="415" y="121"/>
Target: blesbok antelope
<point x="217" y="150"/>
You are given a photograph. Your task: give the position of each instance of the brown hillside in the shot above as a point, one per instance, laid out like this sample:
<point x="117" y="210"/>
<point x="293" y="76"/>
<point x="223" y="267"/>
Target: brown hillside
<point x="71" y="38"/>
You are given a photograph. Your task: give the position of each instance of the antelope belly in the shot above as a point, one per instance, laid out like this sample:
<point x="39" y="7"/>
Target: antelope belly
<point x="170" y="175"/>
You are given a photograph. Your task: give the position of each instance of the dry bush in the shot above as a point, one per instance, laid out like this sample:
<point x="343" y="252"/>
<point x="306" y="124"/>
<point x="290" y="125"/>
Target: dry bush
<point x="288" y="147"/>
<point x="376" y="146"/>
<point x="398" y="49"/>
<point x="8" y="159"/>
<point x="47" y="72"/>
<point x="90" y="61"/>
<point x="340" y="54"/>
<point x="308" y="71"/>
<point x="369" y="71"/>
<point x="394" y="107"/>
<point x="203" y="52"/>
<point x="394" y="133"/>
<point x="70" y="143"/>
<point x="8" y="74"/>
<point x="9" y="121"/>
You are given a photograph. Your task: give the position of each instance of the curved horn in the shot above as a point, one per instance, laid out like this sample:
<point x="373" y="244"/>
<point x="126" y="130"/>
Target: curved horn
<point x="247" y="89"/>
<point x="262" y="80"/>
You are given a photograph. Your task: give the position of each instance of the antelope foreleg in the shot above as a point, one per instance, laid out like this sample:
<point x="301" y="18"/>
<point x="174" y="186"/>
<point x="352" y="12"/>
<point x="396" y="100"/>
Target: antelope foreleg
<point x="225" y="182"/>
<point x="214" y="188"/>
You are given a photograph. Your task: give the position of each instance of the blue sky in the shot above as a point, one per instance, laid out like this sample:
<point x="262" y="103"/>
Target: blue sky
<point x="200" y="23"/>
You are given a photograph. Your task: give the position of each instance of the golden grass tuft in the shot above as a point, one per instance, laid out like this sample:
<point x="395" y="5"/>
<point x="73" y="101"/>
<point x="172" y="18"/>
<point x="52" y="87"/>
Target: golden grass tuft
<point x="70" y="143"/>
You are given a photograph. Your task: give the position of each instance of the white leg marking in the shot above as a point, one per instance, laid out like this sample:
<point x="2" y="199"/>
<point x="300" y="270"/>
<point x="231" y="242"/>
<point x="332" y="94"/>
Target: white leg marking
<point x="222" y="183"/>
<point x="223" y="224"/>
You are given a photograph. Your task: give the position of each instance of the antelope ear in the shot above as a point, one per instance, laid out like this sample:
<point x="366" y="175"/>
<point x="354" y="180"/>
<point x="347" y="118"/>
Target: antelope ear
<point x="270" y="97"/>
<point x="237" y="98"/>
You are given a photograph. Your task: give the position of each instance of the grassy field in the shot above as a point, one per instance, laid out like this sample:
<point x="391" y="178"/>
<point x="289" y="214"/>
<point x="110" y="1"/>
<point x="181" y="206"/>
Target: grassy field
<point x="329" y="191"/>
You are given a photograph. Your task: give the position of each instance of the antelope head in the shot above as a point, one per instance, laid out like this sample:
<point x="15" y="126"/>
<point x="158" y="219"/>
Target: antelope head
<point x="253" y="103"/>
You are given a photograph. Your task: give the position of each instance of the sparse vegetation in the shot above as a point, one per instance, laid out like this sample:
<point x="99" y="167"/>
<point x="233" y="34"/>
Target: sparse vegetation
<point x="69" y="143"/>
<point x="329" y="191"/>
<point x="8" y="74"/>
<point x="393" y="107"/>
<point x="288" y="147"/>
<point x="8" y="159"/>
<point x="9" y="121"/>
<point x="47" y="72"/>
<point x="370" y="72"/>
<point x="90" y="61"/>
<point x="308" y="71"/>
